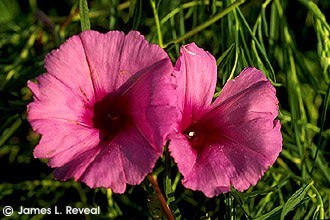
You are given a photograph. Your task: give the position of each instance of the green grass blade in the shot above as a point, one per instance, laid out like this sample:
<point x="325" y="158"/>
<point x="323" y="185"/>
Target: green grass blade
<point x="7" y="133"/>
<point x="272" y="215"/>
<point x="258" y="45"/>
<point x="209" y="22"/>
<point x="157" y="22"/>
<point x="323" y="119"/>
<point x="295" y="199"/>
<point x="84" y="15"/>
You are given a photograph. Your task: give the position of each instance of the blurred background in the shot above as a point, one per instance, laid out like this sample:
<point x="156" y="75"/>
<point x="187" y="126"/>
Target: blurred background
<point x="288" y="40"/>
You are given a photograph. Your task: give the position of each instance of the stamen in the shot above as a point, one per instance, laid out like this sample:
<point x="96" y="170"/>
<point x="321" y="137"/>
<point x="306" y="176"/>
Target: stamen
<point x="191" y="134"/>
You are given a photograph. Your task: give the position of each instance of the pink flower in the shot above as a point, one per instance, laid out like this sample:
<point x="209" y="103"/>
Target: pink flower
<point x="230" y="141"/>
<point x="101" y="108"/>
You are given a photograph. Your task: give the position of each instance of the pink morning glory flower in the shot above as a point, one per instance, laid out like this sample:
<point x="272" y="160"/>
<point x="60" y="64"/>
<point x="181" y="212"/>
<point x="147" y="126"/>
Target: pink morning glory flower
<point x="230" y="141"/>
<point x="101" y="108"/>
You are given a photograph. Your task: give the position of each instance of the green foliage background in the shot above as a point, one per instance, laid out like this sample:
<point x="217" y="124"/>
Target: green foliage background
<point x="288" y="40"/>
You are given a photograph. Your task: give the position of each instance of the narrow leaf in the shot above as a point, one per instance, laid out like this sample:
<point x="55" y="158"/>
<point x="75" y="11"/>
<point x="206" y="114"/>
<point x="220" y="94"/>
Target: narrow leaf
<point x="295" y="199"/>
<point x="272" y="215"/>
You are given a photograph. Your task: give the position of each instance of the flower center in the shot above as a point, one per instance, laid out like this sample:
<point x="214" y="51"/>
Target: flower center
<point x="196" y="137"/>
<point x="109" y="117"/>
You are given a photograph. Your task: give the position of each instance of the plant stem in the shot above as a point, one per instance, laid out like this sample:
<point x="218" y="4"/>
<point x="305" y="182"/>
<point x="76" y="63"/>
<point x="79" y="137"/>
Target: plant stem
<point x="163" y="204"/>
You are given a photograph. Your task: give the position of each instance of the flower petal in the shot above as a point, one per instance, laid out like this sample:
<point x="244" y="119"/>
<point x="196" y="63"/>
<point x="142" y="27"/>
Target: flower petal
<point x="114" y="57"/>
<point x="54" y="100"/>
<point x="128" y="158"/>
<point x="246" y="111"/>
<point x="244" y="121"/>
<point x="208" y="174"/>
<point x="101" y="63"/>
<point x="69" y="66"/>
<point x="250" y="79"/>
<point x="196" y="76"/>
<point x="63" y="139"/>
<point x="205" y="172"/>
<point x="58" y="111"/>
<point x="152" y="101"/>
<point x="182" y="152"/>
